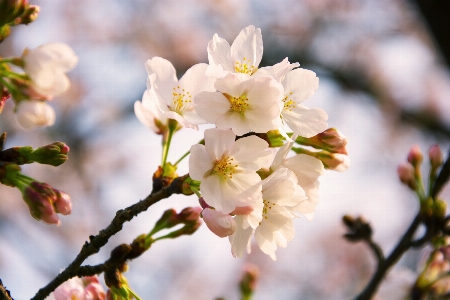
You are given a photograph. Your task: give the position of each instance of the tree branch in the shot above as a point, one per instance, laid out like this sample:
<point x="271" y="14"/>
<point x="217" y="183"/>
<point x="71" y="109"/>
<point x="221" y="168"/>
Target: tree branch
<point x="403" y="245"/>
<point x="98" y="241"/>
<point x="4" y="293"/>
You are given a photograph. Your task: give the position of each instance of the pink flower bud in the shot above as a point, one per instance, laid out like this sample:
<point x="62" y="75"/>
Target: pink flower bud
<point x="405" y="172"/>
<point x="436" y="157"/>
<point x="190" y="214"/>
<point x="220" y="224"/>
<point x="334" y="161"/>
<point x="333" y="140"/>
<point x="242" y="210"/>
<point x="62" y="204"/>
<point x="40" y="198"/>
<point x="415" y="156"/>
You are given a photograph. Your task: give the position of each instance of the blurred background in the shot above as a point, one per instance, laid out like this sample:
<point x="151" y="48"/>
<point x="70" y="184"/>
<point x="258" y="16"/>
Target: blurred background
<point x="384" y="82"/>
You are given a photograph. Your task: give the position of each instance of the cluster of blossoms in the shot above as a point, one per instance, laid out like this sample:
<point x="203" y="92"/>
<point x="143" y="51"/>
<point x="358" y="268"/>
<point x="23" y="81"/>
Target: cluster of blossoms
<point x="44" y="77"/>
<point x="245" y="188"/>
<point x="86" y="288"/>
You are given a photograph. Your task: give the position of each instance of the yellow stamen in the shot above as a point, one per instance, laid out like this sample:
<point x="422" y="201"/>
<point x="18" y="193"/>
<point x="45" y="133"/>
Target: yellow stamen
<point x="224" y="167"/>
<point x="245" y="67"/>
<point x="180" y="99"/>
<point x="238" y="104"/>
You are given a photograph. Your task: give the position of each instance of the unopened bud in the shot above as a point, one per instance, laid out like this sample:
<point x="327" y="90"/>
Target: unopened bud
<point x="359" y="229"/>
<point x="30" y="14"/>
<point x="333" y="161"/>
<point x="220" y="224"/>
<point x="248" y="281"/>
<point x="190" y="214"/>
<point x="139" y="246"/>
<point x="54" y="154"/>
<point x="188" y="229"/>
<point x="415" y="156"/>
<point x="62" y="204"/>
<point x="330" y="140"/>
<point x="439" y="208"/>
<point x="40" y="197"/>
<point x="405" y="172"/>
<point x="436" y="157"/>
<point x="242" y="210"/>
<point x="9" y="173"/>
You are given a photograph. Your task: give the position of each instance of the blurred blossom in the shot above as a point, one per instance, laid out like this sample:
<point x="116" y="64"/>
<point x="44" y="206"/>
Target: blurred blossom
<point x="87" y="288"/>
<point x="46" y="66"/>
<point x="405" y="172"/>
<point x="34" y="113"/>
<point x="415" y="156"/>
<point x="436" y="157"/>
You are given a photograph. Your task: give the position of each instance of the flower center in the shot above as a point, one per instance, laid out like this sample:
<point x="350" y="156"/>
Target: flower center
<point x="266" y="209"/>
<point x="224" y="167"/>
<point x="289" y="104"/>
<point x="238" y="104"/>
<point x="245" y="67"/>
<point x="181" y="99"/>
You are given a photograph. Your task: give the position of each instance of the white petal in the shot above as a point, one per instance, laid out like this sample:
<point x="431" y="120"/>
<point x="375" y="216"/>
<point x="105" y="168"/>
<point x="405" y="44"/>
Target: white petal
<point x="211" y="105"/>
<point x="306" y="122"/>
<point x="306" y="168"/>
<point x="219" y="53"/>
<point x="251" y="152"/>
<point x="195" y="80"/>
<point x="240" y="239"/>
<point x="248" y="44"/>
<point x="180" y="119"/>
<point x="218" y="142"/>
<point x="165" y="79"/>
<point x="277" y="71"/>
<point x="200" y="164"/>
<point x="234" y="120"/>
<point x="145" y="116"/>
<point x="302" y="83"/>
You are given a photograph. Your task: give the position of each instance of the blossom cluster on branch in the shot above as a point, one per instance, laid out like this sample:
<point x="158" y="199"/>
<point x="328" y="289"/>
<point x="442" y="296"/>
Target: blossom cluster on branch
<point x="246" y="188"/>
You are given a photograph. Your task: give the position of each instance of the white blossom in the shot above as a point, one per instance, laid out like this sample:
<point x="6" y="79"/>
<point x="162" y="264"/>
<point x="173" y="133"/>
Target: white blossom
<point x="176" y="96"/>
<point x="274" y="216"/>
<point x="227" y="168"/>
<point x="148" y="112"/>
<point x="34" y="113"/>
<point x="46" y="66"/>
<point x="242" y="104"/>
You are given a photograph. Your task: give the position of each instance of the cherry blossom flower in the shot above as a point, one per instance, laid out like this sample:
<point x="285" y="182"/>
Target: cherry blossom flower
<point x="299" y="85"/>
<point x="242" y="104"/>
<point x="46" y="66"/>
<point x="176" y="96"/>
<point x="34" y="113"/>
<point x="87" y="288"/>
<point x="272" y="219"/>
<point x="226" y="167"/>
<point x="243" y="56"/>
<point x="148" y="112"/>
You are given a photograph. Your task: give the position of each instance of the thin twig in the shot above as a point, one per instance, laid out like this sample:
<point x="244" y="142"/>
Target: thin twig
<point x="377" y="251"/>
<point x="403" y="245"/>
<point x="98" y="241"/>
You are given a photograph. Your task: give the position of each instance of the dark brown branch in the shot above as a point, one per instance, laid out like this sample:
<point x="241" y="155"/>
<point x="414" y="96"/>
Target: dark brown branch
<point x="98" y="241"/>
<point x="4" y="293"/>
<point x="403" y="245"/>
<point x="442" y="178"/>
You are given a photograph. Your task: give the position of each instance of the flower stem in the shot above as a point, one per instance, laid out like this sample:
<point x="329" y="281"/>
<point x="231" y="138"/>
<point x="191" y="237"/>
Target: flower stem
<point x="181" y="158"/>
<point x="166" y="144"/>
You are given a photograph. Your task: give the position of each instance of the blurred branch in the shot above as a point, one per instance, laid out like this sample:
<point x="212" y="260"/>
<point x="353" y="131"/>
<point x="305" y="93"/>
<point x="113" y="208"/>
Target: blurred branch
<point x="436" y="14"/>
<point x="442" y="178"/>
<point x="403" y="245"/>
<point x="98" y="241"/>
<point x="4" y="293"/>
